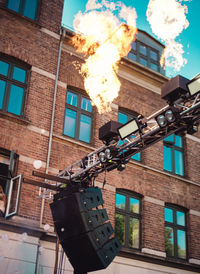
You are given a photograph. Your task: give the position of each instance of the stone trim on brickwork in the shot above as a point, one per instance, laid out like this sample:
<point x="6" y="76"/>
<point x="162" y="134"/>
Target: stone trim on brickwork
<point x="154" y="252"/>
<point x="194" y="261"/>
<point x="163" y="173"/>
<point x="138" y="81"/>
<point x="193" y="138"/>
<point x="194" y="212"/>
<point x="49" y="75"/>
<point x="154" y="201"/>
<point x="38" y="130"/>
<point x="51" y="33"/>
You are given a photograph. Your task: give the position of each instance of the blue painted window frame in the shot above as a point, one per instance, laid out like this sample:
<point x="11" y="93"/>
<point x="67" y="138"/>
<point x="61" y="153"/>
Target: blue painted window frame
<point x="130" y="116"/>
<point x="78" y="106"/>
<point x="170" y="145"/>
<point x="14" y="82"/>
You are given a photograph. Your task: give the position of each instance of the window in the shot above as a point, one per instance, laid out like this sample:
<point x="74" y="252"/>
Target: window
<point x="28" y="8"/>
<point x="145" y="55"/>
<point x="8" y="161"/>
<point x="175" y="232"/>
<point x="173" y="154"/>
<point x="128" y="219"/>
<point x="13" y="86"/>
<point x="78" y="117"/>
<point x="124" y="118"/>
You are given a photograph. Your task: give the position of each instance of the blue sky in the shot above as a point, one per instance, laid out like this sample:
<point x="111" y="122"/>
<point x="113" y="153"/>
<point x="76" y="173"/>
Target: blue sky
<point x="190" y="37"/>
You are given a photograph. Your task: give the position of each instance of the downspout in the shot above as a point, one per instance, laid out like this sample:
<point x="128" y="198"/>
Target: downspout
<point x="63" y="31"/>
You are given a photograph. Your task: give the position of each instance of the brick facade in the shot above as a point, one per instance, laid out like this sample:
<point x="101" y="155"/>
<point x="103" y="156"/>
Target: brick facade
<point x="37" y="44"/>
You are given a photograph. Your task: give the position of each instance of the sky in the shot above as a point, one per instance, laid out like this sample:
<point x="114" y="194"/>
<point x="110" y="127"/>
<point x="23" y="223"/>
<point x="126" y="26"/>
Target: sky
<point x="190" y="37"/>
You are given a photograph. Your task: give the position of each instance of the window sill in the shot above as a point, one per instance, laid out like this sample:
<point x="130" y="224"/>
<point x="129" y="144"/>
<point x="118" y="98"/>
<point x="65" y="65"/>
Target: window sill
<point x="34" y="22"/>
<point x="165" y="261"/>
<point x="14" y="118"/>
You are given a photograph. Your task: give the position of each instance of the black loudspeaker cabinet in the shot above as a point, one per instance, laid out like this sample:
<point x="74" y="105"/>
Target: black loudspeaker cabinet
<point x="83" y="229"/>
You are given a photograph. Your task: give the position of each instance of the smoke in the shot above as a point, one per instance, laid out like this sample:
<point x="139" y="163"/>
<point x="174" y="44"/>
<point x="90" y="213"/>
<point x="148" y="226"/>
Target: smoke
<point x="167" y="19"/>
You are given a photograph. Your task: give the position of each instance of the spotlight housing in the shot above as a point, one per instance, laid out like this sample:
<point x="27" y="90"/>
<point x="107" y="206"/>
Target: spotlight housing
<point x="194" y="85"/>
<point x="174" y="89"/>
<point x="128" y="129"/>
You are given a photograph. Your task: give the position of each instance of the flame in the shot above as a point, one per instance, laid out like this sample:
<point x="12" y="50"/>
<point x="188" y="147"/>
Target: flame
<point x="105" y="38"/>
<point x="168" y="19"/>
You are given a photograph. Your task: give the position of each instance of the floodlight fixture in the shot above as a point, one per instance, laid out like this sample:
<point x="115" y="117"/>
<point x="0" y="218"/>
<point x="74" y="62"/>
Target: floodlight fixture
<point x="194" y="85"/>
<point x="129" y="128"/>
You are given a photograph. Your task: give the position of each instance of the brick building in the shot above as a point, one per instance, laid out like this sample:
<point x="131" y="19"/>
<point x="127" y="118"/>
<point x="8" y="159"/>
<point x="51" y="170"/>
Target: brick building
<point x="46" y="115"/>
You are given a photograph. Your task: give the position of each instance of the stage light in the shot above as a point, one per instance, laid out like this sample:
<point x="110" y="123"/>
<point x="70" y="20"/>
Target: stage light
<point x="161" y="120"/>
<point x="174" y="89"/>
<point x="102" y="157"/>
<point x="170" y="116"/>
<point x="194" y="85"/>
<point x="128" y="129"/>
<point x="167" y="117"/>
<point x="108" y="154"/>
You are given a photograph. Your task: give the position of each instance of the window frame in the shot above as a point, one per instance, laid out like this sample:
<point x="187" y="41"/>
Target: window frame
<point x="176" y="227"/>
<point x="128" y="214"/>
<point x="147" y="57"/>
<point x="173" y="147"/>
<point x="14" y="62"/>
<point x="79" y="111"/>
<point x="130" y="115"/>
<point x="21" y="10"/>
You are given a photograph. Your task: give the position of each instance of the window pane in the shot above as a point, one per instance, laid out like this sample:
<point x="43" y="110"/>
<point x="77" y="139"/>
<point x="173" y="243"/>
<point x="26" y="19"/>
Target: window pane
<point x="136" y="157"/>
<point x="143" y="50"/>
<point x="143" y="61"/>
<point x="85" y="128"/>
<point x="181" y="242"/>
<point x="169" y="241"/>
<point x="133" y="45"/>
<point x="30" y="8"/>
<point x="15" y="99"/>
<point x="4" y="68"/>
<point x="70" y="123"/>
<point x="19" y="74"/>
<point x="168" y="215"/>
<point x="120" y="227"/>
<point x="122" y="118"/>
<point x="14" y="5"/>
<point x="2" y="92"/>
<point x="170" y="138"/>
<point x="134" y="233"/>
<point x="86" y="104"/>
<point x="132" y="56"/>
<point x="154" y="66"/>
<point x="180" y="218"/>
<point x="178" y="141"/>
<point x="153" y="55"/>
<point x="167" y="158"/>
<point x="134" y="205"/>
<point x="178" y="155"/>
<point x="72" y="98"/>
<point x="120" y="201"/>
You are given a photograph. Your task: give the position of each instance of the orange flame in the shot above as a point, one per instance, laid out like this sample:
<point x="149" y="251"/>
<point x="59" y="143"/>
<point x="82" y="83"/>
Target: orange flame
<point x="105" y="41"/>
